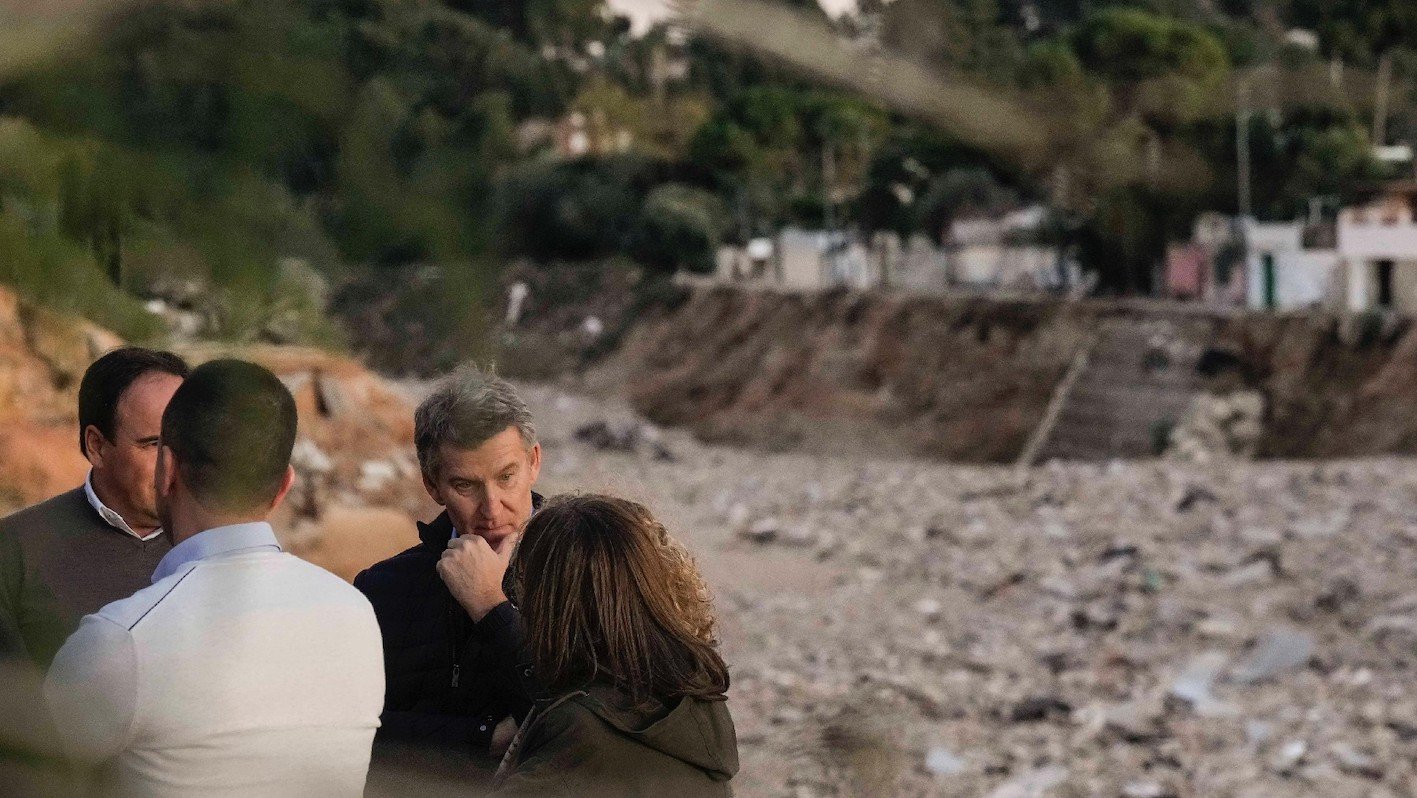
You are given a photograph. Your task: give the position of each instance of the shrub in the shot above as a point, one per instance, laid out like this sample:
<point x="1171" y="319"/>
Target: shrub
<point x="679" y="227"/>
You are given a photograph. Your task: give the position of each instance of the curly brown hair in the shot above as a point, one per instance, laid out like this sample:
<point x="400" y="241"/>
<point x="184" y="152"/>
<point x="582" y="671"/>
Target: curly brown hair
<point x="608" y="595"/>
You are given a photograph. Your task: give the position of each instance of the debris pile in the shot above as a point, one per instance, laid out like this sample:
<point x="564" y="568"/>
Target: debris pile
<point x="1163" y="628"/>
<point x="1219" y="427"/>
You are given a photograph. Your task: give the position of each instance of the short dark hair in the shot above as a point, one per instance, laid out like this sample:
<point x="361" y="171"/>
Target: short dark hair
<point x="231" y="427"/>
<point x="109" y="377"/>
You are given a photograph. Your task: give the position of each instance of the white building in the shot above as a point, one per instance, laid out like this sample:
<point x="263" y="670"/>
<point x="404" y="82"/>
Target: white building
<point x="819" y="259"/>
<point x="1004" y="252"/>
<point x="1281" y="274"/>
<point x="920" y="266"/>
<point x="1377" y="243"/>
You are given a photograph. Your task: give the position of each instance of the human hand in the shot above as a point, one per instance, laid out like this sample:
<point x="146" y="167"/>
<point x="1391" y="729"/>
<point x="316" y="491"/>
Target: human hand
<point x="473" y="572"/>
<point x="502" y="737"/>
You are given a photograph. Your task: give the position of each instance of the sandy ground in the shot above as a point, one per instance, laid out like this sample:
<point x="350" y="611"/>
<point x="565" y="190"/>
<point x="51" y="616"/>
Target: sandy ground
<point x="1138" y="629"/>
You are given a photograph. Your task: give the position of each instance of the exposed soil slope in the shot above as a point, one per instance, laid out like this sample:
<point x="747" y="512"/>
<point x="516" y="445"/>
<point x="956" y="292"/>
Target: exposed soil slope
<point x="967" y="379"/>
<point x="963" y="380"/>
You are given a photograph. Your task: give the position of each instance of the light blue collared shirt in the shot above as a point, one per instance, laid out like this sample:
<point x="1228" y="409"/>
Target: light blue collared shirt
<point x="217" y="542"/>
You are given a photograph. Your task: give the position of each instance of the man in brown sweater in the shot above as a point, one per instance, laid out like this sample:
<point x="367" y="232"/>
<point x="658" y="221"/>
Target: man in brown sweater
<point x="71" y="555"/>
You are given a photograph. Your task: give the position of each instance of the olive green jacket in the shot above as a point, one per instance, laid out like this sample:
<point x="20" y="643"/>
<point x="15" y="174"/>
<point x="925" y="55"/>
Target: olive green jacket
<point x="596" y="742"/>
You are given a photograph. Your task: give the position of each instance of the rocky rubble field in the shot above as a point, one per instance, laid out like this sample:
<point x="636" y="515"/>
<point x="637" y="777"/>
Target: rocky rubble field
<point x="1128" y="629"/>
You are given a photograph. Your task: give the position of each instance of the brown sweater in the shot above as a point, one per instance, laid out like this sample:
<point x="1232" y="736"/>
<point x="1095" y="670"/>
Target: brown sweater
<point x="60" y="561"/>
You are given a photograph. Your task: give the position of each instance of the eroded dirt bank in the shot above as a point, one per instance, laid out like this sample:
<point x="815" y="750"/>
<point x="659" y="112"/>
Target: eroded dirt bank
<point x="968" y="379"/>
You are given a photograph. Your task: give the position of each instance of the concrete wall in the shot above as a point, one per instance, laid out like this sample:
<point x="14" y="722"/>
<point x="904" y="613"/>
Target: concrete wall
<point x="1377" y="233"/>
<point x="1303" y="278"/>
<point x="1002" y="265"/>
<point x="922" y="266"/>
<point x="800" y="253"/>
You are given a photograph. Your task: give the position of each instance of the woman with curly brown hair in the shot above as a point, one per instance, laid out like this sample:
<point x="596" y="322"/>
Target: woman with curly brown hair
<point x="620" y="629"/>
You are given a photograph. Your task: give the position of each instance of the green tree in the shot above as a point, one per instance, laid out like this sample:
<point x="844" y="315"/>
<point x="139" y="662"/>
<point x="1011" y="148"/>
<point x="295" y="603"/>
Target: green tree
<point x="1166" y="70"/>
<point x="679" y="227"/>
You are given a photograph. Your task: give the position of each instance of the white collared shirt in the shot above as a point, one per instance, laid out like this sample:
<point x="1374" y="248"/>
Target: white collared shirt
<point x="242" y="670"/>
<point x="110" y="517"/>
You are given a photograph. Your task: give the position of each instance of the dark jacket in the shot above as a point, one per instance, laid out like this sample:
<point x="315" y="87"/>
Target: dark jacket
<point x="596" y="742"/>
<point x="60" y="561"/>
<point x="448" y="681"/>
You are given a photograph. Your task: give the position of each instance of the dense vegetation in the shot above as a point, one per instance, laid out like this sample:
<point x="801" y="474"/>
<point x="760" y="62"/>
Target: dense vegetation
<point x="249" y="157"/>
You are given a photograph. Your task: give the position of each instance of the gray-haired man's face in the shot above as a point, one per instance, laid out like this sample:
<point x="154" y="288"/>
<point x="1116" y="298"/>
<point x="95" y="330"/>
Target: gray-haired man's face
<point x="487" y="490"/>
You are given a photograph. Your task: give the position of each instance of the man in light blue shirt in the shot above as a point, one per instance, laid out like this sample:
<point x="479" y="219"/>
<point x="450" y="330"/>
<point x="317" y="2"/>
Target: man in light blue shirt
<point x="241" y="670"/>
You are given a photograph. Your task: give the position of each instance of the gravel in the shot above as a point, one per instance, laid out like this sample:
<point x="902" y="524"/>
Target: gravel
<point x="1129" y="628"/>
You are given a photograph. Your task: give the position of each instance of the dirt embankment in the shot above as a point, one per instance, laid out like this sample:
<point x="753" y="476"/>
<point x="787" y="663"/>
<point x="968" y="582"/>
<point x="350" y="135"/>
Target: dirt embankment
<point x="968" y="379"/>
<point x="357" y="489"/>
<point x="42" y="357"/>
<point x="1334" y="387"/>
<point x="963" y="380"/>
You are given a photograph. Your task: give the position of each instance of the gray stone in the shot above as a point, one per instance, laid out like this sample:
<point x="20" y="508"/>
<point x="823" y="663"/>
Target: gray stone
<point x="930" y="608"/>
<point x="941" y="761"/>
<point x="1195" y="683"/>
<point x="375" y="475"/>
<point x="1256" y="573"/>
<point x="1290" y="755"/>
<point x="1146" y="789"/>
<point x="764" y="530"/>
<point x="1033" y="784"/>
<point x="329" y="396"/>
<point x="307" y="457"/>
<point x="1278" y="651"/>
<point x="1134" y="722"/>
<point x="1352" y="760"/>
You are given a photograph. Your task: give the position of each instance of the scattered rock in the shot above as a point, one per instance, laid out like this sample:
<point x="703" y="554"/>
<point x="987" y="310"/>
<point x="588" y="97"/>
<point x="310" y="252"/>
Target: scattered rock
<point x="1352" y="760"/>
<point x="1033" y="784"/>
<point x="1147" y="789"/>
<point x="929" y="608"/>
<point x="1035" y="709"/>
<point x="1219" y="427"/>
<point x="330" y="398"/>
<point x="1289" y="756"/>
<point x="629" y="438"/>
<point x="1193" y="496"/>
<point x="600" y="435"/>
<point x="762" y="531"/>
<point x="307" y="457"/>
<point x="1256" y="573"/>
<point x="375" y="475"/>
<point x="1278" y="651"/>
<point x="941" y="761"/>
<point x="1135" y="722"/>
<point x="1337" y="594"/>
<point x="1195" y="683"/>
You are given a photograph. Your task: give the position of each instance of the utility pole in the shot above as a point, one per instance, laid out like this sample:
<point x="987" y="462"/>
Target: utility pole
<point x="1242" y="144"/>
<point x="833" y="260"/>
<point x="1380" y="99"/>
<point x="1242" y="163"/>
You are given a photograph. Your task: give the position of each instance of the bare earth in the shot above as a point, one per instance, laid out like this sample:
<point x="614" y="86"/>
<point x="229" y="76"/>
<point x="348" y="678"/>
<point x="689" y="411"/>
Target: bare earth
<point x="1129" y="629"/>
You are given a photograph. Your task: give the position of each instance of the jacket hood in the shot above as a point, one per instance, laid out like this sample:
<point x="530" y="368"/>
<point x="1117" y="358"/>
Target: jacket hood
<point x="696" y="731"/>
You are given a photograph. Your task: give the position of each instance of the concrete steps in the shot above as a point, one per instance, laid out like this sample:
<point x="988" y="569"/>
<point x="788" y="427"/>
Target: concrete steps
<point x="1139" y="380"/>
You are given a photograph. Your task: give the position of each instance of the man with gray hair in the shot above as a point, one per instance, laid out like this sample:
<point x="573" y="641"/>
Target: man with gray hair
<point x="456" y="675"/>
